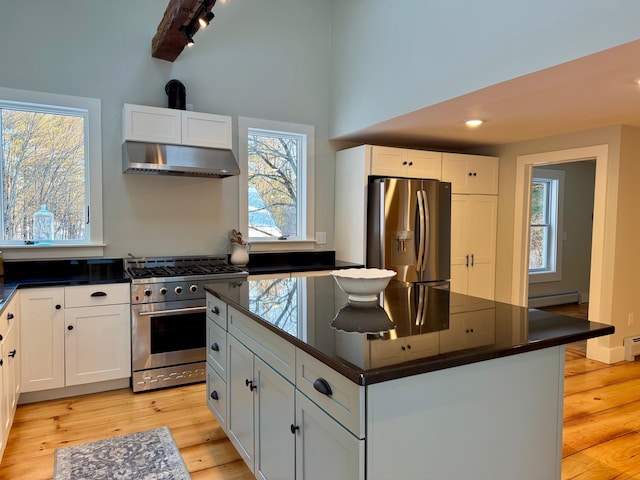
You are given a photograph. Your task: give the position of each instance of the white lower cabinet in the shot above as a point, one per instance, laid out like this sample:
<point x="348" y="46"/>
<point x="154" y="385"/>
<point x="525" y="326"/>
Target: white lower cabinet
<point x="324" y="448"/>
<point x="75" y="335"/>
<point x="10" y="356"/>
<point x="260" y="414"/>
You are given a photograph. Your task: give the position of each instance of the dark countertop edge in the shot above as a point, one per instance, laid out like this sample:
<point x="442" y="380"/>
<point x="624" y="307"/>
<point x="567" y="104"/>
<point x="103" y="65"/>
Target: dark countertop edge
<point x="416" y="367"/>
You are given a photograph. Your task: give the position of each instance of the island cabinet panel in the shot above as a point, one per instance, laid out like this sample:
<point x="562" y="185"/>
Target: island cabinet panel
<point x="343" y="400"/>
<point x="324" y="448"/>
<point x="275" y="350"/>
<point x="495" y="420"/>
<point x="216" y="347"/>
<point x="261" y="414"/>
<point x="217" y="396"/>
<point x="10" y="355"/>
<point x="274" y="420"/>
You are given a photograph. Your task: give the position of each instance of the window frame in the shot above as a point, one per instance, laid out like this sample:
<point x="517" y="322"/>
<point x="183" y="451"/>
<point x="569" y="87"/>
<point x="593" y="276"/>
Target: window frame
<point x="555" y="205"/>
<point x="93" y="244"/>
<point x="306" y="181"/>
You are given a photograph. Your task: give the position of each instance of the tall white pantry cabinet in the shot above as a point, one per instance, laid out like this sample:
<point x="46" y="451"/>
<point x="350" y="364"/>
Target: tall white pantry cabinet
<point x="474" y="209"/>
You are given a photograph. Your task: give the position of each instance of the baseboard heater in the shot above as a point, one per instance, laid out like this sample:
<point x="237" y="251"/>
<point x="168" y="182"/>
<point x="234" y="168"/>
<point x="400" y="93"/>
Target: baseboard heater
<point x="554" y="299"/>
<point x="631" y="348"/>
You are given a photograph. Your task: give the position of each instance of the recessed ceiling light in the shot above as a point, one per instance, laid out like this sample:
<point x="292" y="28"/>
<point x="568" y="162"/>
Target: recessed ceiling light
<point x="473" y="123"/>
<point x="637" y="81"/>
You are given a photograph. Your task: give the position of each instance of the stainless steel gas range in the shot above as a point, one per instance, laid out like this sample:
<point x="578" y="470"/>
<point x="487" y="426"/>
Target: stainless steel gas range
<point x="168" y="318"/>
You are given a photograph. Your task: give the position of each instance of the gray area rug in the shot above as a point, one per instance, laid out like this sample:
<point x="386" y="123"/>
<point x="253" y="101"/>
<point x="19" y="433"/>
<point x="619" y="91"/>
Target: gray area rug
<point x="149" y="455"/>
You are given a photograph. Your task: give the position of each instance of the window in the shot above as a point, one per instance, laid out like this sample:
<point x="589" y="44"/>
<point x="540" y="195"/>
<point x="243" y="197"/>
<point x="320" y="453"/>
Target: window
<point x="546" y="225"/>
<point x="50" y="170"/>
<point x="276" y="182"/>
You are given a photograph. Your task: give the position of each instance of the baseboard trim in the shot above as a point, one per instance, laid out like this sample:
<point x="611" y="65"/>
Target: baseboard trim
<point x="55" y="393"/>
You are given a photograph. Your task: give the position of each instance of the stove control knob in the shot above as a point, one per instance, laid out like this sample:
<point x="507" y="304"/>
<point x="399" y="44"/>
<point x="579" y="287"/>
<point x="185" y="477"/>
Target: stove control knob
<point x="163" y="291"/>
<point x="178" y="290"/>
<point x="147" y="292"/>
<point x="193" y="288"/>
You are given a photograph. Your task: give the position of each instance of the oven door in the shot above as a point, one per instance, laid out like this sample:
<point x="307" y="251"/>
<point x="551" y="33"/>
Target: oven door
<point x="167" y="334"/>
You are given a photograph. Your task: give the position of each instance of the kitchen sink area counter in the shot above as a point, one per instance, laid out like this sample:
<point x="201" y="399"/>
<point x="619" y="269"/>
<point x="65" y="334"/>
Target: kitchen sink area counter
<point x="458" y="377"/>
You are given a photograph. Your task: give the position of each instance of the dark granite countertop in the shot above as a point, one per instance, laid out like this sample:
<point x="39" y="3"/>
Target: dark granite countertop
<point x="283" y="262"/>
<point x="434" y="328"/>
<point x="47" y="273"/>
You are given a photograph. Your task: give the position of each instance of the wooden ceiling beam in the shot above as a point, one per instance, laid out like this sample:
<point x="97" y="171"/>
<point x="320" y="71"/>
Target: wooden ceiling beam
<point x="169" y="41"/>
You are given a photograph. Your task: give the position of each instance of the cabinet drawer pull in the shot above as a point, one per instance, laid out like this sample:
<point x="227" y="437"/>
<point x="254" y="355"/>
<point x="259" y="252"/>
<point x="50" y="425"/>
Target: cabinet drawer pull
<point x="294" y="428"/>
<point x="215" y="310"/>
<point x="215" y="347"/>
<point x="12" y="353"/>
<point x="9" y="316"/>
<point x="99" y="294"/>
<point x="323" y="387"/>
<point x="214" y="395"/>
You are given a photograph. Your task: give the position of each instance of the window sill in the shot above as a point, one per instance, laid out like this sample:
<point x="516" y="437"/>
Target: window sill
<point x="259" y="245"/>
<point x="544" y="277"/>
<point x="44" y="252"/>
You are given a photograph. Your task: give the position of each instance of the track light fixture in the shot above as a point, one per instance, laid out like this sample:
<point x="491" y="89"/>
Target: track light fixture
<point x="186" y="33"/>
<point x="203" y="16"/>
<point x="205" y="19"/>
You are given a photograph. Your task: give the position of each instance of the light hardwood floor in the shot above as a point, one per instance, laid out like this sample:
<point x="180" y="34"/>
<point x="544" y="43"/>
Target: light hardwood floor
<point x="601" y="426"/>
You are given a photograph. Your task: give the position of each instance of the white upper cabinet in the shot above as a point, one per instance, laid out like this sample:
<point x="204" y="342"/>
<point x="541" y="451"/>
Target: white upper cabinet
<point x="178" y="127"/>
<point x="402" y="162"/>
<point x="475" y="174"/>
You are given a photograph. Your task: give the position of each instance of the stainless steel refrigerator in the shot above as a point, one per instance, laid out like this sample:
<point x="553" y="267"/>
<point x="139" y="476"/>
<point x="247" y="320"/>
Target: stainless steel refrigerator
<point x="409" y="228"/>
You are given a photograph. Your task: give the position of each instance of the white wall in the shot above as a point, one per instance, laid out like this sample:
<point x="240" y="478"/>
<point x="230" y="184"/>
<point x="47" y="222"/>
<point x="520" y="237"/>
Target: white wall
<point x="259" y="59"/>
<point x="392" y="58"/>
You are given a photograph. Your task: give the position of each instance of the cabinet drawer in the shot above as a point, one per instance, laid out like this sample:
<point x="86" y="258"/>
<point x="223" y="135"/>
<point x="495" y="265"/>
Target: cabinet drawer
<point x="217" y="397"/>
<point x="276" y="352"/>
<point x="217" y="310"/>
<point x="216" y="347"/>
<point x="92" y="295"/>
<point x="346" y="401"/>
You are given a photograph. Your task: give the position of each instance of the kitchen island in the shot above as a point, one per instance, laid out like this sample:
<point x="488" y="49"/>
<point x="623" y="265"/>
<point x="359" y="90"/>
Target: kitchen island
<point x="458" y="387"/>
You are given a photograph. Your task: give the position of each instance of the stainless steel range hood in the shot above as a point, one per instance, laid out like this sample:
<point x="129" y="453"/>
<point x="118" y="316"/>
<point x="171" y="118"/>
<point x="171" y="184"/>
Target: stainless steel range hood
<point x="165" y="159"/>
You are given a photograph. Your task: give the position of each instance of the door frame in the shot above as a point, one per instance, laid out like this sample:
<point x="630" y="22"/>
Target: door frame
<point x="602" y="240"/>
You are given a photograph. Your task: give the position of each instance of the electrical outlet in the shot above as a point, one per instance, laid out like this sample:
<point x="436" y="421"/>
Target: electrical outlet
<point x="630" y="319"/>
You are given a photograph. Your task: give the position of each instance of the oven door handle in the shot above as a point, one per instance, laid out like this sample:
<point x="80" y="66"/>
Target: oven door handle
<point x="170" y="312"/>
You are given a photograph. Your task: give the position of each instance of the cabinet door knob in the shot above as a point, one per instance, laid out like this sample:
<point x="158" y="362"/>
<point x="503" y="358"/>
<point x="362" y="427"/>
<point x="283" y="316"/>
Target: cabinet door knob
<point x="12" y="353"/>
<point x="9" y="316"/>
<point x="214" y="395"/>
<point x="215" y="310"/>
<point x="294" y="428"/>
<point x="404" y="163"/>
<point x="215" y="347"/>
<point x="249" y="383"/>
<point x="410" y="163"/>
<point x="99" y="294"/>
<point x="1" y="338"/>
<point x="323" y="387"/>
<point x="70" y="327"/>
<point x="58" y="307"/>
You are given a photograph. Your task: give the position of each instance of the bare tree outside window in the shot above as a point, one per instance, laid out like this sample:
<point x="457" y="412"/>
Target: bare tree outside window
<point x="43" y="163"/>
<point x="273" y="184"/>
<point x="277" y="302"/>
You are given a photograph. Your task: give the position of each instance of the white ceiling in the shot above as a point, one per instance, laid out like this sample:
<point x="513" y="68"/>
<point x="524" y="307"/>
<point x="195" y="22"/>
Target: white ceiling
<point x="590" y="92"/>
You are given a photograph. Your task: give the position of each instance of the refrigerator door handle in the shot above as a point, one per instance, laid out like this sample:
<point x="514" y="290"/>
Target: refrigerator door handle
<point x="426" y="241"/>
<point x="421" y="218"/>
